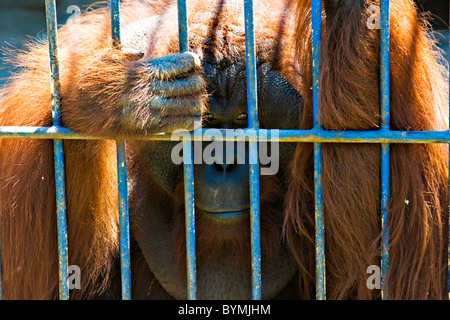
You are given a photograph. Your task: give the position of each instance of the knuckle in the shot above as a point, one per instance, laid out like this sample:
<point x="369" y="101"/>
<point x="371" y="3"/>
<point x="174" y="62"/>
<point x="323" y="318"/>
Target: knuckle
<point x="195" y="59"/>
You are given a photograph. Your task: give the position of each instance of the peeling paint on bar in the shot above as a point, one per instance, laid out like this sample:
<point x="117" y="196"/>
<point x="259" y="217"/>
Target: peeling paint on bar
<point x="183" y="35"/>
<point x="255" y="221"/>
<point x="253" y="123"/>
<point x="385" y="148"/>
<point x="313" y="135"/>
<point x="191" y="255"/>
<point x="316" y="16"/>
<point x="50" y="8"/>
<point x="115" y="22"/>
<point x="124" y="222"/>
<point x="319" y="225"/>
<point x="385" y="168"/>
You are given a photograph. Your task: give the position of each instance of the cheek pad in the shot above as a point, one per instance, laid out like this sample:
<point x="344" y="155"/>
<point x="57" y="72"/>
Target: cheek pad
<point x="157" y="156"/>
<point x="279" y="103"/>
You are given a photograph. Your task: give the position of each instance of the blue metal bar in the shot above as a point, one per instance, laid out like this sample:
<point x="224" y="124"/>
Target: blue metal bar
<point x="255" y="224"/>
<point x="115" y="22"/>
<point x="385" y="149"/>
<point x="385" y="158"/>
<point x="183" y="36"/>
<point x="252" y="87"/>
<point x="253" y="123"/>
<point x="50" y="7"/>
<point x="319" y="225"/>
<point x="316" y="17"/>
<point x="385" y="65"/>
<point x="125" y="265"/>
<point x="61" y="219"/>
<point x="191" y="255"/>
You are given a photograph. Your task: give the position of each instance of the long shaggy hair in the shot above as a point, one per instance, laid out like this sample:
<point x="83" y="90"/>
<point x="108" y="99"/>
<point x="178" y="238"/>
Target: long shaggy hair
<point x="349" y="100"/>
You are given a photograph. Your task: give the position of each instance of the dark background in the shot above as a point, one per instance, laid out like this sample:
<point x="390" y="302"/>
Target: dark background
<point x="439" y="11"/>
<point x="20" y="19"/>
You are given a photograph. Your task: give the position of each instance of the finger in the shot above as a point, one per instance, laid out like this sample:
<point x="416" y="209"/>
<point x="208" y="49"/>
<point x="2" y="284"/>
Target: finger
<point x="187" y="106"/>
<point x="167" y="120"/>
<point x="174" y="122"/>
<point x="172" y="66"/>
<point x="170" y="124"/>
<point x="192" y="86"/>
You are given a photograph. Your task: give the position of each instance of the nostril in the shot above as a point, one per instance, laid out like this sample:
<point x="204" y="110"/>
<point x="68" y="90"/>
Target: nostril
<point x="219" y="167"/>
<point x="225" y="168"/>
<point x="229" y="168"/>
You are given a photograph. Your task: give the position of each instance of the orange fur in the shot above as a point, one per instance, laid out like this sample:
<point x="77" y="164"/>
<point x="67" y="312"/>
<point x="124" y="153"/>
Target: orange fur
<point x="92" y="73"/>
<point x="349" y="98"/>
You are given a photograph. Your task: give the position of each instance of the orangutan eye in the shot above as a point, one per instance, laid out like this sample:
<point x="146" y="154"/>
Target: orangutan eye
<point x="242" y="116"/>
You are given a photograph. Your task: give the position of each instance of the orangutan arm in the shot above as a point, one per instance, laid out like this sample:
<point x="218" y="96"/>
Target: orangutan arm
<point x="118" y="97"/>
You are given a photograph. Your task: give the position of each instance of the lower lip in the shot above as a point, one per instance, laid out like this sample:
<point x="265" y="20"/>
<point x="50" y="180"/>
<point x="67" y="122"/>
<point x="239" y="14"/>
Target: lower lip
<point x="228" y="216"/>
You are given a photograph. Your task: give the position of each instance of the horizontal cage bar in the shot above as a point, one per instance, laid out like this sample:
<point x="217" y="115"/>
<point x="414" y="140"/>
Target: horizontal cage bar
<point x="324" y="136"/>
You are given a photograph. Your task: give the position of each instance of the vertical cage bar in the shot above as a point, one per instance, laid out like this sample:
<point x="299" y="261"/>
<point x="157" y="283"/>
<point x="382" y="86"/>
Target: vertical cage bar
<point x="252" y="88"/>
<point x="385" y="159"/>
<point x="252" y="98"/>
<point x="50" y="8"/>
<point x="183" y="36"/>
<point x="191" y="259"/>
<point x="385" y="65"/>
<point x="115" y="22"/>
<point x="125" y="265"/>
<point x="316" y="16"/>
<point x="319" y="223"/>
<point x="255" y="220"/>
<point x="385" y="148"/>
<point x="191" y="255"/>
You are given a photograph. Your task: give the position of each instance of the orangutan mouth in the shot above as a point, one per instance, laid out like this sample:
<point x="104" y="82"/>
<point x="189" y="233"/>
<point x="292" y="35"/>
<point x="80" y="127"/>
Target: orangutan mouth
<point x="227" y="216"/>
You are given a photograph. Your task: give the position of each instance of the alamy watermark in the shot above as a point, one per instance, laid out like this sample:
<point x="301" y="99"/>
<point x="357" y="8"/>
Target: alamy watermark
<point x="373" y="22"/>
<point x="228" y="146"/>
<point x="74" y="277"/>
<point x="374" y="280"/>
<point x="74" y="11"/>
